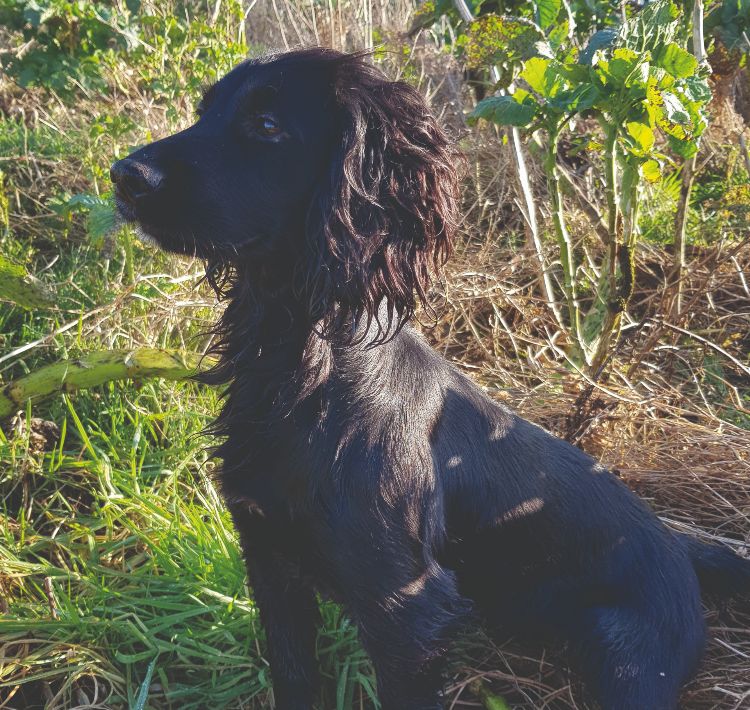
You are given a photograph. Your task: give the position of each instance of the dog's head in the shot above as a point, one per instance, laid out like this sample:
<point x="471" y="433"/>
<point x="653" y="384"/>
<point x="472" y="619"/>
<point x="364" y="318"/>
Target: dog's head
<point x="312" y="159"/>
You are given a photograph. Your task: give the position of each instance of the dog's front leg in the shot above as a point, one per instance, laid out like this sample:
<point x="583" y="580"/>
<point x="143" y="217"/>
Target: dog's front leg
<point x="407" y="606"/>
<point x="407" y="632"/>
<point x="288" y="610"/>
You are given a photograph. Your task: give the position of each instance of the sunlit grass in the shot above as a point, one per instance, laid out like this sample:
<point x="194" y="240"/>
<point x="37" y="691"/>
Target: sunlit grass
<point x="121" y="571"/>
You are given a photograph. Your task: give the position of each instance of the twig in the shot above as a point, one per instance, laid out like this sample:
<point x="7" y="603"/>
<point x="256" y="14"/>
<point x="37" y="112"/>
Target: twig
<point x="710" y="344"/>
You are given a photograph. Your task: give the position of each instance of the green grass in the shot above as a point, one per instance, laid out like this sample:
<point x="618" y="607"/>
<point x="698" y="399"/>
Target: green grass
<point x="119" y="562"/>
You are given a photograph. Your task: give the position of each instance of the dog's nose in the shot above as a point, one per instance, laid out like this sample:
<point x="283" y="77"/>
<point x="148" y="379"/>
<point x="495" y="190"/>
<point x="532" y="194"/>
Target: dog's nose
<point x="135" y="179"/>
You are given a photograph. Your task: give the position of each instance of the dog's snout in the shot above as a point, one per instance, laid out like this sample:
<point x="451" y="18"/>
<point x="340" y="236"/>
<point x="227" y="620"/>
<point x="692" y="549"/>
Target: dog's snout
<point x="135" y="179"/>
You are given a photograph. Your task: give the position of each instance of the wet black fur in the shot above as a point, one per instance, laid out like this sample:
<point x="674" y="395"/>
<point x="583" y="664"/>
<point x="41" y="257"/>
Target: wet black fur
<point x="359" y="463"/>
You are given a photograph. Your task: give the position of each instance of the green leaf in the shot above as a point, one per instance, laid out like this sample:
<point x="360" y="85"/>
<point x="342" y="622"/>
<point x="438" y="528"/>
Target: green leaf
<point x="642" y="135"/>
<point x="584" y="97"/>
<point x="505" y="111"/>
<point x="651" y="170"/>
<point x="542" y="76"/>
<point x="599" y="40"/>
<point x="697" y="89"/>
<point x="676" y="60"/>
<point x="547" y="12"/>
<point x="490" y="701"/>
<point x="534" y="73"/>
<point x="574" y="73"/>
<point x="673" y="109"/>
<point x="81" y="202"/>
<point x="627" y="64"/>
<point x="559" y="33"/>
<point x="522" y="96"/>
<point x="140" y="701"/>
<point x="683" y="148"/>
<point x="101" y="222"/>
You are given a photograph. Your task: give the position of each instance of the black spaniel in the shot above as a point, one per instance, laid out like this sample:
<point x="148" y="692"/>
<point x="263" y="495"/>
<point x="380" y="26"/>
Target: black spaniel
<point x="357" y="462"/>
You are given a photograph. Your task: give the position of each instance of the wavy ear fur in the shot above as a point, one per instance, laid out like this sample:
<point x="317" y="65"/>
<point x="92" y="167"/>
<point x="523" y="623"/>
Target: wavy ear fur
<point x="386" y="219"/>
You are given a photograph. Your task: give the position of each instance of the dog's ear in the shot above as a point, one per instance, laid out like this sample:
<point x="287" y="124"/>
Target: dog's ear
<point x="386" y="218"/>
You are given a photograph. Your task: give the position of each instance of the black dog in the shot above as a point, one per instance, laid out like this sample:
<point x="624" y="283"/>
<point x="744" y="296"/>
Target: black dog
<point x="357" y="461"/>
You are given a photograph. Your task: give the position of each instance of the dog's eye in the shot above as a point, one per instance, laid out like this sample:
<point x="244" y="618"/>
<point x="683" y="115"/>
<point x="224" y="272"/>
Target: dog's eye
<point x="266" y="126"/>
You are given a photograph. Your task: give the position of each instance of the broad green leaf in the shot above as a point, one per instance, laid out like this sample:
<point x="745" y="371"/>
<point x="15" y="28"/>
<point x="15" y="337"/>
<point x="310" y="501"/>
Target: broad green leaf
<point x="653" y="93"/>
<point x="547" y="12"/>
<point x="697" y="89"/>
<point x="541" y="75"/>
<point x="584" y="97"/>
<point x="534" y="72"/>
<point x="674" y="130"/>
<point x="657" y="18"/>
<point x="559" y="33"/>
<point x="574" y="73"/>
<point x="673" y="109"/>
<point x="521" y="96"/>
<point x="661" y="13"/>
<point x="504" y="110"/>
<point x="676" y="60"/>
<point x="663" y="78"/>
<point x="599" y="40"/>
<point x="642" y="136"/>
<point x="683" y="148"/>
<point x="624" y="64"/>
<point x="651" y="170"/>
<point x="626" y="55"/>
<point x="101" y="222"/>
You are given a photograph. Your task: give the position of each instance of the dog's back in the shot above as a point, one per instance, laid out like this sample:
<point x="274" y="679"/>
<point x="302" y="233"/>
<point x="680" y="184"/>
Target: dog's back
<point x="542" y="538"/>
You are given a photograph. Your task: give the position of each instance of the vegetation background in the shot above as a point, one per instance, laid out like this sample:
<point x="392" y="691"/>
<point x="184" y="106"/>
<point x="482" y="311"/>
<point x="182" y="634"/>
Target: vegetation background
<point x="121" y="584"/>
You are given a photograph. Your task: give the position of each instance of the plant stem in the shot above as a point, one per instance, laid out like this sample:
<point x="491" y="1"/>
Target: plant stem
<point x="95" y="369"/>
<point x="23" y="289"/>
<point x="680" y="234"/>
<point x="603" y="318"/>
<point x="127" y="237"/>
<point x="619" y="289"/>
<point x="688" y="173"/>
<point x="567" y="256"/>
<point x="745" y="154"/>
<point x="533" y="238"/>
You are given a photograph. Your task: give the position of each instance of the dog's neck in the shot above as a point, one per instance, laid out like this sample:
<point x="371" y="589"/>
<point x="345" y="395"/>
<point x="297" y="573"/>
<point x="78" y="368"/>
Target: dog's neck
<point x="271" y="354"/>
<point x="268" y="354"/>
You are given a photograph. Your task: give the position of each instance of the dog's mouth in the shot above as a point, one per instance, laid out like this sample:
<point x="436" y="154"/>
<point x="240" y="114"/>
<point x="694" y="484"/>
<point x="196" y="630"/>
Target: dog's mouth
<point x="175" y="239"/>
<point x="148" y="232"/>
<point x="125" y="208"/>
